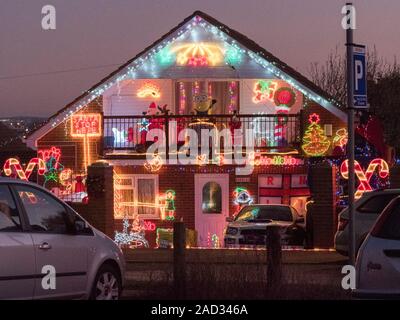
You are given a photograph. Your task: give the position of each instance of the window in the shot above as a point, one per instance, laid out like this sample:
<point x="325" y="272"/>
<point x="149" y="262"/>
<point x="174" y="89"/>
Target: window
<point x="391" y="227"/>
<point x="226" y="93"/>
<point x="45" y="213"/>
<point x="212" y="198"/>
<point x="9" y="218"/>
<point x="136" y="194"/>
<point x="376" y="204"/>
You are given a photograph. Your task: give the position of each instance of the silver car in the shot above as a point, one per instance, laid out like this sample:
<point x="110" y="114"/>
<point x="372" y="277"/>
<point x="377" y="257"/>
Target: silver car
<point x="367" y="209"/>
<point x="378" y="261"/>
<point x="248" y="228"/>
<point x="48" y="251"/>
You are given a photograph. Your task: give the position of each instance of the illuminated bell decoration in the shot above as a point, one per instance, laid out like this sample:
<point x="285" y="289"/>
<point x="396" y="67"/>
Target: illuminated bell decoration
<point x="378" y="165"/>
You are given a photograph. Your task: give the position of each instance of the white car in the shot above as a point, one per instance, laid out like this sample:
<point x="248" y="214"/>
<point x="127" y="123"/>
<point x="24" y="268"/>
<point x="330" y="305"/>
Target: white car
<point x="378" y="261"/>
<point x="48" y="251"/>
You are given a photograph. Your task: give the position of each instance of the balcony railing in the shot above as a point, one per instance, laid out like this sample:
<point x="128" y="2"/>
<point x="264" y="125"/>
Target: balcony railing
<point x="129" y="133"/>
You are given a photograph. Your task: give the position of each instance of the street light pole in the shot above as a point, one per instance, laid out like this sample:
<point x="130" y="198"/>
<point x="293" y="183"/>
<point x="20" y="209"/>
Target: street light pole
<point x="350" y="145"/>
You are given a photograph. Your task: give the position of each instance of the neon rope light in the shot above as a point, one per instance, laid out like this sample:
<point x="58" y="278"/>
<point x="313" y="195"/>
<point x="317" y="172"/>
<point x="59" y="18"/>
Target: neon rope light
<point x="149" y="90"/>
<point x="198" y="54"/>
<point x="24" y="174"/>
<point x="264" y="90"/>
<point x="364" y="178"/>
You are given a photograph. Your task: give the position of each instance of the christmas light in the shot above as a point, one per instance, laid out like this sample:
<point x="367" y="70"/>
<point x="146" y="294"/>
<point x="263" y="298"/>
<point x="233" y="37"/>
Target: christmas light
<point x="315" y="142"/>
<point x="149" y="225"/>
<point x="198" y="54"/>
<point x="22" y="174"/>
<point x="86" y="125"/>
<point x="341" y="137"/>
<point x="182" y="98"/>
<point x="364" y="178"/>
<point x="154" y="164"/>
<point x="53" y="152"/>
<point x="163" y="50"/>
<point x="278" y="160"/>
<point x="149" y="90"/>
<point x="264" y="90"/>
<point x="170" y="204"/>
<point x="241" y="197"/>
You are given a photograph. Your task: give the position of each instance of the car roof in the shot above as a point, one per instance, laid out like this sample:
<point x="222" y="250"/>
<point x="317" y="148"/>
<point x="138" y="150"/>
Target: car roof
<point x="268" y="205"/>
<point x="13" y="180"/>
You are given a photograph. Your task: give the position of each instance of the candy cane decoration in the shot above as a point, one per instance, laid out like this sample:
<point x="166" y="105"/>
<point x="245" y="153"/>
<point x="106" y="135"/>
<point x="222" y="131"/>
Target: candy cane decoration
<point x="364" y="177"/>
<point x="281" y="124"/>
<point x="24" y="175"/>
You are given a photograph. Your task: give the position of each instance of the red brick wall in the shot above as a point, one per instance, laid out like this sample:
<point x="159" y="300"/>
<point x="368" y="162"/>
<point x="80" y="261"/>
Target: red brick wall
<point x="181" y="179"/>
<point x="72" y="148"/>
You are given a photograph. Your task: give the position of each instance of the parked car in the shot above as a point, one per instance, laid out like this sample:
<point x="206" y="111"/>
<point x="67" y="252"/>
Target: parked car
<point x="366" y="209"/>
<point x="40" y="235"/>
<point x="378" y="261"/>
<point x="249" y="225"/>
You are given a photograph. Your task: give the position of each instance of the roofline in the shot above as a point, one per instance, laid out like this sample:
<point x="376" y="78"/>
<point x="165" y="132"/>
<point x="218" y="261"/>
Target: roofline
<point x="239" y="37"/>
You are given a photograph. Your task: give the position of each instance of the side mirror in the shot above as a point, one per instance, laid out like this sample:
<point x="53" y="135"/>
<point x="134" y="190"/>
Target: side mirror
<point x="80" y="226"/>
<point x="229" y="219"/>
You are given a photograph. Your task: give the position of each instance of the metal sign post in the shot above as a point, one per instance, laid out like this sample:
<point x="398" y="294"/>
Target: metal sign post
<point x="356" y="99"/>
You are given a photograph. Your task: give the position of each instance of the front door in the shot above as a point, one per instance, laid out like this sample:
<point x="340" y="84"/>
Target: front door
<point x="211" y="208"/>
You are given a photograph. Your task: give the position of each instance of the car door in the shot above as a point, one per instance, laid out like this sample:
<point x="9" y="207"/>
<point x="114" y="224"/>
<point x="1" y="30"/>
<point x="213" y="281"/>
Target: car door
<point x="56" y="247"/>
<point x="17" y="258"/>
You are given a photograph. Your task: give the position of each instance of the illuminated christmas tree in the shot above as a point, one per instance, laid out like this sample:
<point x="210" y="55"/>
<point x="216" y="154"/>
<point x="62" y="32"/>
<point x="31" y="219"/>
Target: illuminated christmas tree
<point x="315" y="142"/>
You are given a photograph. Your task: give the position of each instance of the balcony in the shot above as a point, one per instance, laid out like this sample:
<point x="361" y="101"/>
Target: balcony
<point x="126" y="135"/>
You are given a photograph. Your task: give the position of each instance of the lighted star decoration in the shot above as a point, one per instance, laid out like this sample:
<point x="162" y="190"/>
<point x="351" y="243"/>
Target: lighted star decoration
<point x="314" y="118"/>
<point x="144" y="125"/>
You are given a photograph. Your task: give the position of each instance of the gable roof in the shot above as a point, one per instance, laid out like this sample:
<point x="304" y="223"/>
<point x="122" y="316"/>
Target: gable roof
<point x="332" y="105"/>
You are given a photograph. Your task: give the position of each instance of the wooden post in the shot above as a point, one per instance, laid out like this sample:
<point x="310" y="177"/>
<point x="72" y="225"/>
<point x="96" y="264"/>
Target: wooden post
<point x="274" y="256"/>
<point x="179" y="260"/>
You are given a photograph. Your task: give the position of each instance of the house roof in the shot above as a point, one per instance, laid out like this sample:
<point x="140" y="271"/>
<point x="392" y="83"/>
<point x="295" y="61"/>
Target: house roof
<point x="239" y="37"/>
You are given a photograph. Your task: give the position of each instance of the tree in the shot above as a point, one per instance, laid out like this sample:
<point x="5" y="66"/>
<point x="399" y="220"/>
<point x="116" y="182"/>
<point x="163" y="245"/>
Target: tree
<point x="331" y="76"/>
<point x="383" y="85"/>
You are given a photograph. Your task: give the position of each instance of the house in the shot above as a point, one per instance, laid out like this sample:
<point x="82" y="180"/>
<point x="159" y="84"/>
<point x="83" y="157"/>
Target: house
<point x="200" y="75"/>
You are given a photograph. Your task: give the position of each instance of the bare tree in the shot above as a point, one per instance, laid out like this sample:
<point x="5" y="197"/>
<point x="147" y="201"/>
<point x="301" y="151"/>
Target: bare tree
<point x="331" y="76"/>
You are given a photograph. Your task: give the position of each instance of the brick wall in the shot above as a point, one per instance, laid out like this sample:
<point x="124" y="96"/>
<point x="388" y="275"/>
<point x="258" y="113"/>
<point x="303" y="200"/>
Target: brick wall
<point x="322" y="212"/>
<point x="182" y="180"/>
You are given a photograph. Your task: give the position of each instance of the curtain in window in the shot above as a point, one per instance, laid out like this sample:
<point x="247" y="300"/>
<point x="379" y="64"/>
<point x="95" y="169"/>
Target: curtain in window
<point x="225" y="92"/>
<point x="146" y="196"/>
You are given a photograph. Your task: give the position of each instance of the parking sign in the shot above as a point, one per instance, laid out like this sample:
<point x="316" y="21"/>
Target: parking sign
<point x="360" y="77"/>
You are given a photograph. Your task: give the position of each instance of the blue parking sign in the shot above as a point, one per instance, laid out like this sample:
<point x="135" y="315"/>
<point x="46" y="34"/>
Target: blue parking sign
<point x="360" y="77"/>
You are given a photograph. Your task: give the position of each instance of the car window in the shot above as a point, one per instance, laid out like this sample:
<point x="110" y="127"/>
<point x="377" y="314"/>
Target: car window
<point x="9" y="217"/>
<point x="280" y="213"/>
<point x="45" y="214"/>
<point x="391" y="226"/>
<point x="376" y="204"/>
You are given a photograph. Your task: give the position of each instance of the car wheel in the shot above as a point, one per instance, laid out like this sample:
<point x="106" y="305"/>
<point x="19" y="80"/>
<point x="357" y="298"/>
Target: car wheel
<point x="107" y="284"/>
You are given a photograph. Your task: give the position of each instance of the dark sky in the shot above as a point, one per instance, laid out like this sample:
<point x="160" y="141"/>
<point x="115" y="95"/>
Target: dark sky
<point x="106" y="32"/>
